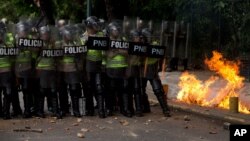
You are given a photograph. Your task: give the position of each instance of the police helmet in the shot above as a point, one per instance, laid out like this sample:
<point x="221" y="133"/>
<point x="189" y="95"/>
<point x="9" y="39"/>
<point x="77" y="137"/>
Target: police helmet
<point x="92" y="22"/>
<point x="135" y="34"/>
<point x="2" y="30"/>
<point x="146" y="34"/>
<point x="114" y="29"/>
<point x="22" y="27"/>
<point x="68" y="32"/>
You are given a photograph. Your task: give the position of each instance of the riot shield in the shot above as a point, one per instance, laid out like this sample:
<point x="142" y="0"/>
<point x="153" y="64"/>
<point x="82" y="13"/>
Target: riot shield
<point x="117" y="54"/>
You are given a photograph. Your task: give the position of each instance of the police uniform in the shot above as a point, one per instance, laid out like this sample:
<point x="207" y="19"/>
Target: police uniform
<point x="5" y="76"/>
<point x="46" y="68"/>
<point x="117" y="65"/>
<point x="70" y="70"/>
<point x="23" y="67"/>
<point x="150" y="70"/>
<point x="93" y="70"/>
<point x="135" y="76"/>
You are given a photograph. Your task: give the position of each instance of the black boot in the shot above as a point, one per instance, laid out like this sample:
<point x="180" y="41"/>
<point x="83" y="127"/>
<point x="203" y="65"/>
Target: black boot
<point x="126" y="111"/>
<point x="63" y="98"/>
<point x="90" y="110"/>
<point x="101" y="109"/>
<point x="55" y="107"/>
<point x="138" y="105"/>
<point x="6" y="107"/>
<point x="109" y="100"/>
<point x="17" y="111"/>
<point x="49" y="103"/>
<point x="75" y="106"/>
<point x="163" y="103"/>
<point x="27" y="99"/>
<point x="185" y="64"/>
<point x="40" y="111"/>
<point x="145" y="104"/>
<point x="1" y="112"/>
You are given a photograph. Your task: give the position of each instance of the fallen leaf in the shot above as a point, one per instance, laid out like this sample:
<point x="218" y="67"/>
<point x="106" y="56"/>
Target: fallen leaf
<point x="110" y="122"/>
<point x="101" y="128"/>
<point x="85" y="130"/>
<point x="186" y="118"/>
<point x="52" y="121"/>
<point x="80" y="135"/>
<point x="212" y="132"/>
<point x="75" y="124"/>
<point x="79" y="120"/>
<point x="67" y="128"/>
<point x="124" y="122"/>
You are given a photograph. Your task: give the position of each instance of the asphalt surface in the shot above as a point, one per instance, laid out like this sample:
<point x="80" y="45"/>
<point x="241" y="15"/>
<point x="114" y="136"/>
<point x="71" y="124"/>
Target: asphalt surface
<point x="188" y="122"/>
<point x="153" y="126"/>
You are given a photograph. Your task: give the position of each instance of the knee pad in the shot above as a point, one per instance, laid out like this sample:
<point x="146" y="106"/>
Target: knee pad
<point x="157" y="86"/>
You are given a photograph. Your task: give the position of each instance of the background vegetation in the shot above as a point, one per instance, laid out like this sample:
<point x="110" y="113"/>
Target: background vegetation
<point x="223" y="25"/>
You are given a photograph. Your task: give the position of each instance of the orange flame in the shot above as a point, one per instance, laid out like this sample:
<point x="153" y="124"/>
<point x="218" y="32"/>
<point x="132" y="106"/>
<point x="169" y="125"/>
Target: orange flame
<point x="195" y="91"/>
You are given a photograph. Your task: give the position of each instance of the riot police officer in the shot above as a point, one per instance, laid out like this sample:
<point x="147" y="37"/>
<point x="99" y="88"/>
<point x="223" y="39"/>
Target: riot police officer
<point x="93" y="70"/>
<point x="46" y="68"/>
<point x="117" y="65"/>
<point x="70" y="70"/>
<point x="5" y="75"/>
<point x="23" y="67"/>
<point x="150" y="71"/>
<point x="135" y="75"/>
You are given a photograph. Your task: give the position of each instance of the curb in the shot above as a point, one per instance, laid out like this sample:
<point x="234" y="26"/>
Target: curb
<point x="214" y="113"/>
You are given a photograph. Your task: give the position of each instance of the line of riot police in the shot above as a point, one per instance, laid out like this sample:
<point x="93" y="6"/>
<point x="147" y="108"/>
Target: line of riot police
<point x="78" y="64"/>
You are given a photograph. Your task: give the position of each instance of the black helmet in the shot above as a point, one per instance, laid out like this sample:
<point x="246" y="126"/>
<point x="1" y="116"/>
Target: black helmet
<point x="68" y="32"/>
<point x="2" y="31"/>
<point x="135" y="33"/>
<point x="2" y="27"/>
<point x="92" y="22"/>
<point x="44" y="32"/>
<point x="146" y="35"/>
<point x="44" y="29"/>
<point x="114" y="29"/>
<point x="22" y="27"/>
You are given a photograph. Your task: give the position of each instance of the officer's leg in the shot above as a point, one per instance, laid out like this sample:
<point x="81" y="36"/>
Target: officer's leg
<point x="15" y="102"/>
<point x="49" y="102"/>
<point x="159" y="93"/>
<point x="90" y="111"/>
<point x="26" y="97"/>
<point x="185" y="64"/>
<point x="55" y="105"/>
<point x="137" y="97"/>
<point x="6" y="103"/>
<point x="125" y="98"/>
<point x="63" y="98"/>
<point x="75" y="91"/>
<point x="1" y="111"/>
<point x="131" y="91"/>
<point x="35" y="92"/>
<point x="110" y="97"/>
<point x="40" y="111"/>
<point x="145" y="100"/>
<point x="100" y="95"/>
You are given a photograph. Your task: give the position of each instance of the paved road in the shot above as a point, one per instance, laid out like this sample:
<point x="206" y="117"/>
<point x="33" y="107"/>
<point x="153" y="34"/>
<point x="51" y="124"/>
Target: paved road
<point x="153" y="126"/>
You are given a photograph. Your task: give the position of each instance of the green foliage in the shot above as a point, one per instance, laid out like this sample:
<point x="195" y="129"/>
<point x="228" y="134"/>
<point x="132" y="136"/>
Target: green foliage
<point x="215" y="24"/>
<point x="14" y="9"/>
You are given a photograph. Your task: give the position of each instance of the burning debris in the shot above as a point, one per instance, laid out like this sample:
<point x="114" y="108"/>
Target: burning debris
<point x="195" y="91"/>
